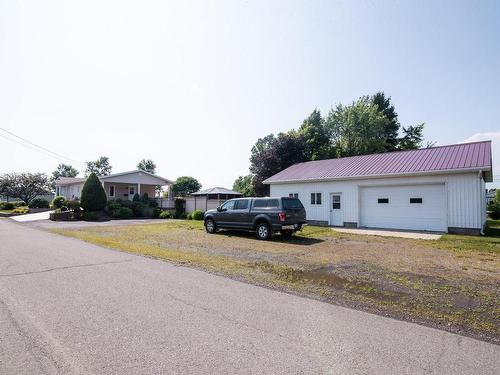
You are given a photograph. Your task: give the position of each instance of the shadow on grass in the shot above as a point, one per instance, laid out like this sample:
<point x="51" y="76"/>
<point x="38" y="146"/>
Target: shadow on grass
<point x="295" y="239"/>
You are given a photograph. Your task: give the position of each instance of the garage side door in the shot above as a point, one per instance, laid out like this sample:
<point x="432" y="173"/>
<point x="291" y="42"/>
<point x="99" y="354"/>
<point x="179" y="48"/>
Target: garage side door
<point x="419" y="207"/>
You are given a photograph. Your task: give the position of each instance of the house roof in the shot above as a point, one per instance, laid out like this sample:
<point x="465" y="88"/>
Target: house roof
<point x="76" y="180"/>
<point x="69" y="180"/>
<point x="110" y="176"/>
<point x="216" y="190"/>
<point x="474" y="156"/>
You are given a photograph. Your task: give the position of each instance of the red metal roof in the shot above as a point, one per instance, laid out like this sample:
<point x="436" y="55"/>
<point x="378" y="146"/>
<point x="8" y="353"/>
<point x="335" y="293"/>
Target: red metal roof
<point x="464" y="156"/>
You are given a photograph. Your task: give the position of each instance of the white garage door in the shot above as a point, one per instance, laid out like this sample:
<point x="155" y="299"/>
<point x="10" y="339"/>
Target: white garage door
<point x="418" y="207"/>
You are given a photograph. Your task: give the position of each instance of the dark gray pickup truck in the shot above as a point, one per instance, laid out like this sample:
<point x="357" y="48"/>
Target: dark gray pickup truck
<point x="265" y="216"/>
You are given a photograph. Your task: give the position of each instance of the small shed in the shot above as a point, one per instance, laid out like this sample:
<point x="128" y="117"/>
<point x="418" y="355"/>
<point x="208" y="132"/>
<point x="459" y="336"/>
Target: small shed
<point x="209" y="199"/>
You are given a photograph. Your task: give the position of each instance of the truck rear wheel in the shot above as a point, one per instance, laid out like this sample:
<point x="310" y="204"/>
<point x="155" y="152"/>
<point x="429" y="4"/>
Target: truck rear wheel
<point x="263" y="231"/>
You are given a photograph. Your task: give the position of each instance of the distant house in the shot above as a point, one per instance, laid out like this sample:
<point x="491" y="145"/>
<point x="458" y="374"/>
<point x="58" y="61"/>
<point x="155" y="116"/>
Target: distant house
<point x="118" y="186"/>
<point x="209" y="198"/>
<point x="433" y="189"/>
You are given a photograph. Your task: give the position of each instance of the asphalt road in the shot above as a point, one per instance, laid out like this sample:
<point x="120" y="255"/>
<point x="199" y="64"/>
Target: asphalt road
<point x="70" y="307"/>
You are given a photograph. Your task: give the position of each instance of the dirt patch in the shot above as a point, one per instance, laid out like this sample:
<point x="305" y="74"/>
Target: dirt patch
<point x="451" y="283"/>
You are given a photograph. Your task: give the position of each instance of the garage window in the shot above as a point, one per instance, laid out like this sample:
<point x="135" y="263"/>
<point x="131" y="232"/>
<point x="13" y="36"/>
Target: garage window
<point x="416" y="200"/>
<point x="315" y="199"/>
<point x="383" y="200"/>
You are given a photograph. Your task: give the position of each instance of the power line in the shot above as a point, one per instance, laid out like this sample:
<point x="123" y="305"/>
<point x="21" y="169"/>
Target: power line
<point x="38" y="147"/>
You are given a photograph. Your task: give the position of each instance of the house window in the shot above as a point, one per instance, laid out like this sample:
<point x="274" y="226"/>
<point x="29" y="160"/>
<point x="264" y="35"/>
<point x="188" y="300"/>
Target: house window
<point x="111" y="190"/>
<point x="383" y="200"/>
<point x="316" y="199"/>
<point x="293" y="195"/>
<point x="131" y="190"/>
<point x="335" y="202"/>
<point x="416" y="200"/>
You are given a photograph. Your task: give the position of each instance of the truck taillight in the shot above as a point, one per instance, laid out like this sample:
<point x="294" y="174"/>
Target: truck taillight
<point x="282" y="216"/>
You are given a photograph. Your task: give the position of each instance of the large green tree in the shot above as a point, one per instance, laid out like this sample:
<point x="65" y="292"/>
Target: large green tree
<point x="357" y="129"/>
<point x="272" y="154"/>
<point x="412" y="138"/>
<point x="25" y="186"/>
<point x="244" y="185"/>
<point x="63" y="170"/>
<point x="316" y="136"/>
<point x="101" y="167"/>
<point x="147" y="165"/>
<point x="93" y="197"/>
<point x="391" y="126"/>
<point x="185" y="185"/>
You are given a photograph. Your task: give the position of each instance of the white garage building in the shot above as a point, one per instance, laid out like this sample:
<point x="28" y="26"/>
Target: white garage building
<point x="438" y="189"/>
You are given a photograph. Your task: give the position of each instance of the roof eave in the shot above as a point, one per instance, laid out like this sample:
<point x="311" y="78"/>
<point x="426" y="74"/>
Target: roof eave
<point x="485" y="171"/>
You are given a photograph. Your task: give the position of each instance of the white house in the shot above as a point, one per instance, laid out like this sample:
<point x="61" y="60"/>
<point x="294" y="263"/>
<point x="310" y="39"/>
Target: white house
<point x="118" y="186"/>
<point x="433" y="189"/>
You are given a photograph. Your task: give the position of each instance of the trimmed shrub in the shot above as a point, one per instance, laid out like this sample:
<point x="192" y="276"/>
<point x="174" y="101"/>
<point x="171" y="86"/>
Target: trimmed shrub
<point x="20" y="204"/>
<point x="197" y="215"/>
<point x="122" y="213"/>
<point x="145" y="198"/>
<point x="165" y="215"/>
<point x="136" y="198"/>
<point x="180" y="211"/>
<point x="93" y="194"/>
<point x="7" y="206"/>
<point x="39" y="203"/>
<point x="189" y="216"/>
<point x="58" y="202"/>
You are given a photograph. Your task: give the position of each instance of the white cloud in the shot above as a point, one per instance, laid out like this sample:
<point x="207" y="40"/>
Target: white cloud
<point x="495" y="149"/>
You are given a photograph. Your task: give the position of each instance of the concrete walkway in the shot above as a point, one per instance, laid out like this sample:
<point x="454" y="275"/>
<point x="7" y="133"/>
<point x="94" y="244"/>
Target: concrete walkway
<point x="32" y="217"/>
<point x="390" y="233"/>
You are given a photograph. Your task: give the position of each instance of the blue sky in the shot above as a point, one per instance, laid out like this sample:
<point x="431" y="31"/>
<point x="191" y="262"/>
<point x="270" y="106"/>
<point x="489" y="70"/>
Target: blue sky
<point x="192" y="85"/>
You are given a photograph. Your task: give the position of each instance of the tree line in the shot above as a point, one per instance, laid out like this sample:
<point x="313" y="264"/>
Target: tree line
<point x="369" y="125"/>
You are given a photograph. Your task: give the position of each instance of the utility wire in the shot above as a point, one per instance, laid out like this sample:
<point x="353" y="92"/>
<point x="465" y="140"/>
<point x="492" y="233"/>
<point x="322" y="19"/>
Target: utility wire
<point x="38" y="147"/>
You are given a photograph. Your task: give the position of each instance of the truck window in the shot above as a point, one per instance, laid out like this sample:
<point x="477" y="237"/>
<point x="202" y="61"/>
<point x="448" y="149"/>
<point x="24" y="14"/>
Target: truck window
<point x="266" y="203"/>
<point x="241" y="204"/>
<point x="292" y="203"/>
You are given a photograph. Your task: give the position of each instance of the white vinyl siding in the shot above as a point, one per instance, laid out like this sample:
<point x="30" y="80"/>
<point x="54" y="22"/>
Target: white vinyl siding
<point x="464" y="196"/>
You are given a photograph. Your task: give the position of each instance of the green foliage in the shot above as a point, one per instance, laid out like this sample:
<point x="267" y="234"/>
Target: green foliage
<point x="136" y="198"/>
<point x="122" y="213"/>
<point x="357" y="129"/>
<point x="165" y="215"/>
<point x="63" y="170"/>
<point x="185" y="185"/>
<point x="369" y="125"/>
<point x="244" y="185"/>
<point x="391" y="127"/>
<point x="316" y="137"/>
<point x="39" y="203"/>
<point x="6" y="206"/>
<point x="58" y="202"/>
<point x="197" y="215"/>
<point x="100" y="167"/>
<point x="189" y="216"/>
<point x="93" y="196"/>
<point x="271" y="155"/>
<point x="147" y="165"/>
<point x="494" y="206"/>
<point x="25" y="186"/>
<point x="412" y="137"/>
<point x="180" y="205"/>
